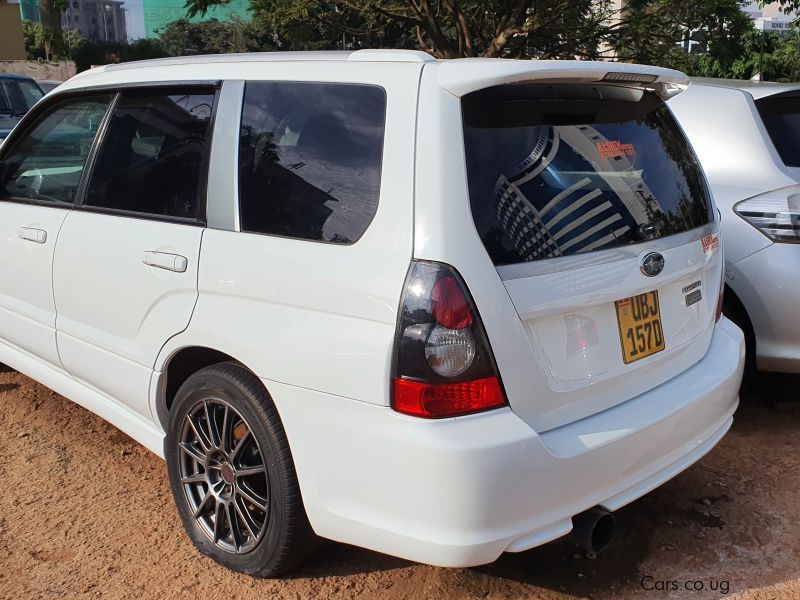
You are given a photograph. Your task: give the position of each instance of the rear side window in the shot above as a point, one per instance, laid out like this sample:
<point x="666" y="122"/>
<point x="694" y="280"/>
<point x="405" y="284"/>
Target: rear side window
<point x="781" y="117"/>
<point x="153" y="155"/>
<point x="45" y="164"/>
<point x="310" y="159"/>
<point x="556" y="170"/>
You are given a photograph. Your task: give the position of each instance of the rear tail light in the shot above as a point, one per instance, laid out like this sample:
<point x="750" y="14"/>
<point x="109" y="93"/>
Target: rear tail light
<point x="443" y="365"/>
<point x="776" y="216"/>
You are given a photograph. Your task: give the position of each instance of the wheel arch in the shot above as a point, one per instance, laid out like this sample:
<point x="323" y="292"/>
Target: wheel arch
<point x="177" y="366"/>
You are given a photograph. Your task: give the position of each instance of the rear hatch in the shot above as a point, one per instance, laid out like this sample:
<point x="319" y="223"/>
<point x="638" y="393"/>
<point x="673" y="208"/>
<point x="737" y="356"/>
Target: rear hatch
<point x="597" y="217"/>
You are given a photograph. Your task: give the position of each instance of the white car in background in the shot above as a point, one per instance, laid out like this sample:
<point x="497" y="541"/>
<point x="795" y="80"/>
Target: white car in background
<point x="747" y="137"/>
<point x="439" y="309"/>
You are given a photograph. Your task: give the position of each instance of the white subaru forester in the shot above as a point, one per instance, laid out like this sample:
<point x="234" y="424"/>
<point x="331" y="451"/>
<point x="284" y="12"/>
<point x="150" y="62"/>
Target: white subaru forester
<point x="443" y="310"/>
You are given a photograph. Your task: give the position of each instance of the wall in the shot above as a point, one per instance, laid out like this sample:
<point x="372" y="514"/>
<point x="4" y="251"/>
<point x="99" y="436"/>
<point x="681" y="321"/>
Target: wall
<point x="12" y="46"/>
<point x="40" y="70"/>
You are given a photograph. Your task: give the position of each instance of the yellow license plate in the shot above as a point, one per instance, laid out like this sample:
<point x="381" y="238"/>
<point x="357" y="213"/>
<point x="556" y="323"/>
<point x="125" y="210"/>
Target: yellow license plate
<point x="640" y="331"/>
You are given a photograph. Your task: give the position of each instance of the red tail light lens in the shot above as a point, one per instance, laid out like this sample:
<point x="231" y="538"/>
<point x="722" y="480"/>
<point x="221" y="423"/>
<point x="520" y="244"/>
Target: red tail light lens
<point x="443" y="365"/>
<point x="433" y="400"/>
<point x="450" y="308"/>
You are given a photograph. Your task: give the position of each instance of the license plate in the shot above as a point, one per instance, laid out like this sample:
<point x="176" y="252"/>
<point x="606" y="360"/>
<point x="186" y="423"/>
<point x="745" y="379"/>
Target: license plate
<point x="640" y="331"/>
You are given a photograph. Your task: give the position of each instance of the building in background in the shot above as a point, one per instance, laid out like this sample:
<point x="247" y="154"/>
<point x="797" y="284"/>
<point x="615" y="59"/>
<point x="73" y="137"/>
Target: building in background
<point x="12" y="46"/>
<point x="101" y="21"/>
<point x="770" y="17"/>
<point x="159" y="13"/>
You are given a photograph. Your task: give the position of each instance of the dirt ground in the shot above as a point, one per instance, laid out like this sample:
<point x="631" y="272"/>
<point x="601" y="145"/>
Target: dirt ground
<point x="85" y="512"/>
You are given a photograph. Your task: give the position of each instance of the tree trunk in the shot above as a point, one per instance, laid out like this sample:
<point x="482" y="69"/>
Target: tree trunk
<point x="50" y="15"/>
<point x="51" y="27"/>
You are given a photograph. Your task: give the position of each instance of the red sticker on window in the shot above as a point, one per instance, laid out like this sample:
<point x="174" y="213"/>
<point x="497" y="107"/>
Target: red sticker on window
<point x="615" y="149"/>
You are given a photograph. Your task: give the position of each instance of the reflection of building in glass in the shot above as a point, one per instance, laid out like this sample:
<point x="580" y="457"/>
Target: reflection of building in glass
<point x="567" y="197"/>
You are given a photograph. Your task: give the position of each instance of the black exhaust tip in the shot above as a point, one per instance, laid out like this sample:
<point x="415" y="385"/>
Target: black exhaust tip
<point x="594" y="530"/>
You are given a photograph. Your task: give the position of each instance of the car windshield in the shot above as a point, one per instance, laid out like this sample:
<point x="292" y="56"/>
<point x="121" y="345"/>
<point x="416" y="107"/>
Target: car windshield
<point x="781" y="117"/>
<point x="17" y="96"/>
<point x="555" y="170"/>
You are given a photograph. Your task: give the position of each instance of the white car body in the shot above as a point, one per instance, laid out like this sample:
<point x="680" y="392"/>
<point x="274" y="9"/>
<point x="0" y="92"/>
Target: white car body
<point x="741" y="162"/>
<point x="316" y="322"/>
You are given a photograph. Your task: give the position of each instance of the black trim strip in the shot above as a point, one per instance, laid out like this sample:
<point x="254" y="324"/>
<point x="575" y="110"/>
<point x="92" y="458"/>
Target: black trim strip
<point x="139" y="215"/>
<point x="88" y="166"/>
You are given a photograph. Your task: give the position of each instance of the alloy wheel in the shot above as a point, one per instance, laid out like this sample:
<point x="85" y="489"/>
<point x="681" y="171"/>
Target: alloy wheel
<point x="224" y="476"/>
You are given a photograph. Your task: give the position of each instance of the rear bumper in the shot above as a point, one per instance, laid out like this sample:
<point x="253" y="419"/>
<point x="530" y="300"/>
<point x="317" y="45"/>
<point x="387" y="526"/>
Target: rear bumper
<point x="767" y="285"/>
<point x="460" y="492"/>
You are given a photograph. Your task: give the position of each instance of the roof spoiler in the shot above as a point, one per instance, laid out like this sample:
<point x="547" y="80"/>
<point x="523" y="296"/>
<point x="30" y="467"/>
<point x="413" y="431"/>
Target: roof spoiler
<point x="462" y="76"/>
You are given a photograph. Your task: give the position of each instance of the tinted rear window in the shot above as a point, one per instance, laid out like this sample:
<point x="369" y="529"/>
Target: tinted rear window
<point x="565" y="169"/>
<point x="781" y="116"/>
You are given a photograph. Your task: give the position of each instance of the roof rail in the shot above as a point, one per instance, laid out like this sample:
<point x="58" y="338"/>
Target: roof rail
<point x="378" y="55"/>
<point x="281" y="56"/>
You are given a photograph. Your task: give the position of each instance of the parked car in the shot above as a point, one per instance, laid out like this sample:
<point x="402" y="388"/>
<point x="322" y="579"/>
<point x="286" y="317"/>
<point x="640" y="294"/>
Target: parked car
<point x="747" y="137"/>
<point x="442" y="310"/>
<point x="17" y="95"/>
<point x="48" y="85"/>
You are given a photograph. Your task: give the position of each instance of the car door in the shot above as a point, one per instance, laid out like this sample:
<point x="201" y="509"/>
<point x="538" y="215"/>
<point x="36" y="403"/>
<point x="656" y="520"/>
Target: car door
<point x="40" y="172"/>
<point x="125" y="271"/>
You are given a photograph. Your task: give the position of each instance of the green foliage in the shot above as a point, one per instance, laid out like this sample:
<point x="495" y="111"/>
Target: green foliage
<point x="44" y="43"/>
<point x="445" y="28"/>
<point x="652" y="29"/>
<point x="724" y="40"/>
<point x="213" y="37"/>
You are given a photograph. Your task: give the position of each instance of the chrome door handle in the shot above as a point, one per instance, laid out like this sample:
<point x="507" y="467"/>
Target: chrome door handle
<point x="165" y="260"/>
<point x="32" y="234"/>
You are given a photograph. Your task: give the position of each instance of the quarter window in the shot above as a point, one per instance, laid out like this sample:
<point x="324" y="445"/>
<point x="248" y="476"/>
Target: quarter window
<point x="310" y="159"/>
<point x="152" y="157"/>
<point x="47" y="162"/>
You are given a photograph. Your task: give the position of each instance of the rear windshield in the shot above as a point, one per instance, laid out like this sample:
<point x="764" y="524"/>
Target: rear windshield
<point x="556" y="170"/>
<point x="781" y="116"/>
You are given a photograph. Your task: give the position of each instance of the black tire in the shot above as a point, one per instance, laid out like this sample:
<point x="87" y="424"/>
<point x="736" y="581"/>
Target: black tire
<point x="270" y="542"/>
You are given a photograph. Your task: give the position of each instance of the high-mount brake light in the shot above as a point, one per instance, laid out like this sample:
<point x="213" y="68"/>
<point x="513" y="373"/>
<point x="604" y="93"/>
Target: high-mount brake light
<point x="630" y="77"/>
<point x="443" y="364"/>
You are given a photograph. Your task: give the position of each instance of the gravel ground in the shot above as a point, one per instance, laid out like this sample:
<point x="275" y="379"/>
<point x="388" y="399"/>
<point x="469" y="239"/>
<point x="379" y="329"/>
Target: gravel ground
<point x="85" y="513"/>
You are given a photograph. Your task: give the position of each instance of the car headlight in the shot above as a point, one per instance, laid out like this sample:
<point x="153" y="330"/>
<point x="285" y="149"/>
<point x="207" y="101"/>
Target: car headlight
<point x="777" y="218"/>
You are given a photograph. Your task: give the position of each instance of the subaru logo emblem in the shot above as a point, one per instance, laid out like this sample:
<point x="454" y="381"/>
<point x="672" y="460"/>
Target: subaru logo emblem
<point x="652" y="264"/>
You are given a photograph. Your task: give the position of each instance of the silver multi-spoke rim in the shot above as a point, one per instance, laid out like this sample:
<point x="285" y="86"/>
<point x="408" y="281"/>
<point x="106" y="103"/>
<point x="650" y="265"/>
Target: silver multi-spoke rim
<point x="224" y="476"/>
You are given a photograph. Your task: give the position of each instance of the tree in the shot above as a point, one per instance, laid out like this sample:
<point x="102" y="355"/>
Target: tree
<point x="49" y="33"/>
<point x="445" y="28"/>
<point x="652" y="31"/>
<point x="183" y="37"/>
